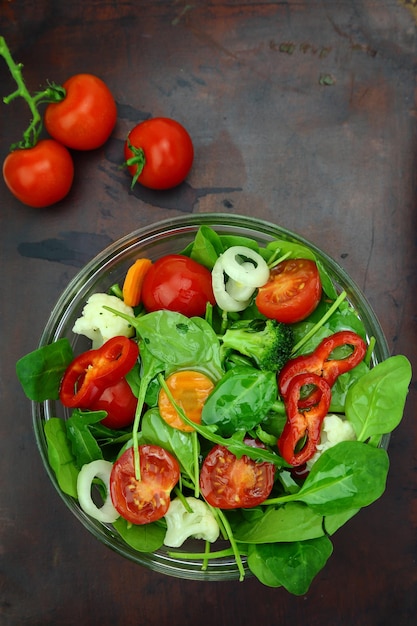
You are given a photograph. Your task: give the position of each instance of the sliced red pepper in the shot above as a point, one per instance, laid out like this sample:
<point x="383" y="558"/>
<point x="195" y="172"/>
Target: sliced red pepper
<point x="303" y="427"/>
<point x="93" y="371"/>
<point x="320" y="363"/>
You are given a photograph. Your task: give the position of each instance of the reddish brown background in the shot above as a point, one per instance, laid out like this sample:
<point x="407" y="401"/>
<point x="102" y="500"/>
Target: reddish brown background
<point x="336" y="163"/>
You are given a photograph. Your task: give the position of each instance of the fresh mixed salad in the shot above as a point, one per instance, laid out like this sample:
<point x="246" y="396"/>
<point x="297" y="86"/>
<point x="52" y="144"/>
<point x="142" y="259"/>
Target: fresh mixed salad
<point x="231" y="395"/>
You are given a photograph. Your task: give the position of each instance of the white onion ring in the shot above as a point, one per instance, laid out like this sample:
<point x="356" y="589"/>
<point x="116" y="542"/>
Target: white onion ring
<point x="253" y="273"/>
<point x="100" y="469"/>
<point x="224" y="300"/>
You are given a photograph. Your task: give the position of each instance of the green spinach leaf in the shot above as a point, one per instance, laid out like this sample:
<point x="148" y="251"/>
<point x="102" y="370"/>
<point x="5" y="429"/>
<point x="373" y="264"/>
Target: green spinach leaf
<point x="241" y="400"/>
<point x="60" y="455"/>
<point x="40" y="372"/>
<point x="143" y="538"/>
<point x="375" y="403"/>
<point x="293" y="521"/>
<point x="291" y="565"/>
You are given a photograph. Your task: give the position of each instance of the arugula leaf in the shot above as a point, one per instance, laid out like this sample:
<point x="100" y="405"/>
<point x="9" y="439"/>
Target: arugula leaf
<point x="40" y="372"/>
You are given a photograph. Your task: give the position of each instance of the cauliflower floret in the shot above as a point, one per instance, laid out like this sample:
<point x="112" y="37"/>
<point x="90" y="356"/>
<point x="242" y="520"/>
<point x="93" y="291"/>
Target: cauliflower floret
<point x="181" y="524"/>
<point x="334" y="430"/>
<point x="98" y="324"/>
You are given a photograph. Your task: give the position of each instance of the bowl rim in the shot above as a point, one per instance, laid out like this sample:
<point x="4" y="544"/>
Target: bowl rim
<point x="185" y="225"/>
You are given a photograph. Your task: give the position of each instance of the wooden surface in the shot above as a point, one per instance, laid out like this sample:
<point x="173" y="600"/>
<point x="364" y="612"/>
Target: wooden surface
<point x="301" y="112"/>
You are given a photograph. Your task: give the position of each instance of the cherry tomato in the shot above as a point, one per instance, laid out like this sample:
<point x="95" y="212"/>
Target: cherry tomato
<point x="85" y="118"/>
<point x="39" y="176"/>
<point x="177" y="283"/>
<point x="148" y="499"/>
<point x="227" y="482"/>
<point x="292" y="292"/>
<point x="120" y="404"/>
<point x="159" y="153"/>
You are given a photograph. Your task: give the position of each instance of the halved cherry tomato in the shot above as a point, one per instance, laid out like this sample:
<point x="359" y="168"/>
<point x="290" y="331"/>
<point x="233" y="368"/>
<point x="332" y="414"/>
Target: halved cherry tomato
<point x="177" y="283"/>
<point x="39" y="176"/>
<point x="227" y="482"/>
<point x="190" y="390"/>
<point x="85" y="118"/>
<point x="292" y="292"/>
<point x="91" y="372"/>
<point x="145" y="500"/>
<point x="159" y="153"/>
<point x="120" y="404"/>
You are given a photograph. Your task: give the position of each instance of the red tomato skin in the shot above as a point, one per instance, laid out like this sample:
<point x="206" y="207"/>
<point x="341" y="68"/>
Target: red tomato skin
<point x="146" y="500"/>
<point x="168" y="150"/>
<point x="292" y="292"/>
<point x="120" y="404"/>
<point x="177" y="283"/>
<point x="227" y="482"/>
<point x="86" y="117"/>
<point x="39" y="176"/>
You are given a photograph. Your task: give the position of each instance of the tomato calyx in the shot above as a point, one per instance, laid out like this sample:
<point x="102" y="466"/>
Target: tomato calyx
<point x="93" y="371"/>
<point x="138" y="159"/>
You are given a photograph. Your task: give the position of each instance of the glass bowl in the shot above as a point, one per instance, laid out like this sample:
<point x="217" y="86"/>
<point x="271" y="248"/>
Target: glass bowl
<point x="109" y="267"/>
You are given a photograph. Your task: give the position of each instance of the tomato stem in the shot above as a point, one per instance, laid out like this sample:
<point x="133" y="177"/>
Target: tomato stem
<point x="53" y="93"/>
<point x="137" y="159"/>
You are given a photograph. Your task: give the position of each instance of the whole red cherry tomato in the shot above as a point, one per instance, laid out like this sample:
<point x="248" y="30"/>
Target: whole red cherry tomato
<point x="292" y="292"/>
<point x="227" y="482"/>
<point x="148" y="499"/>
<point x="39" y="176"/>
<point x="85" y="118"/>
<point x="177" y="283"/>
<point x="159" y="153"/>
<point x="120" y="404"/>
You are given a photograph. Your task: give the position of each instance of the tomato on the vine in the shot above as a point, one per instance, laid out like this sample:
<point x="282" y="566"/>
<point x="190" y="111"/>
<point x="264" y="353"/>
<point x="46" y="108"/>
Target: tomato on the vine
<point x="177" y="283"/>
<point x="147" y="499"/>
<point x="85" y="118"/>
<point x="292" y="292"/>
<point x="227" y="482"/>
<point x="159" y="153"/>
<point x="120" y="404"/>
<point x="39" y="176"/>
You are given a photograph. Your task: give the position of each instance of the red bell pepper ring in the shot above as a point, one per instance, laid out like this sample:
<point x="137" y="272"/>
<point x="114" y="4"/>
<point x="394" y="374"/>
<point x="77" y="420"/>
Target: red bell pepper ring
<point x="320" y="363"/>
<point x="93" y="371"/>
<point x="303" y="427"/>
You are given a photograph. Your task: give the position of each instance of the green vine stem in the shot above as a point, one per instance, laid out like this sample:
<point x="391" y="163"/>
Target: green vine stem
<point x="53" y="93"/>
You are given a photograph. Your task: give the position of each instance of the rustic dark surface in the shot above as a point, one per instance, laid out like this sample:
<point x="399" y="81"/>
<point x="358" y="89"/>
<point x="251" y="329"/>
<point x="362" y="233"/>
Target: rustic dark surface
<point x="335" y="162"/>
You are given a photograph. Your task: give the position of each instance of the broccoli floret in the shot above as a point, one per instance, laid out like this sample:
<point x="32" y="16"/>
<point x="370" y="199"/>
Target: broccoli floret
<point x="267" y="342"/>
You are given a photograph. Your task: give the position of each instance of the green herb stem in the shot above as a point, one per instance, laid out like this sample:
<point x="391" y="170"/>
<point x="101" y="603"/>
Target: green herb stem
<point x="321" y="322"/>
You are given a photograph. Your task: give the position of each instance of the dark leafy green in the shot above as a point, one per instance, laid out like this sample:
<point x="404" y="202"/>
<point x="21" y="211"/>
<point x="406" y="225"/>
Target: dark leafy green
<point x="60" y="455"/>
<point x="241" y="400"/>
<point x="375" y="403"/>
<point x="143" y="538"/>
<point x="291" y="565"/>
<point x="40" y="372"/>
<point x="348" y="475"/>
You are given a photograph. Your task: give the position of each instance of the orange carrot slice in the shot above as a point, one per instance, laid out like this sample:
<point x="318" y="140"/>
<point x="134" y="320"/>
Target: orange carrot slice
<point x="132" y="286"/>
<point x="190" y="390"/>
